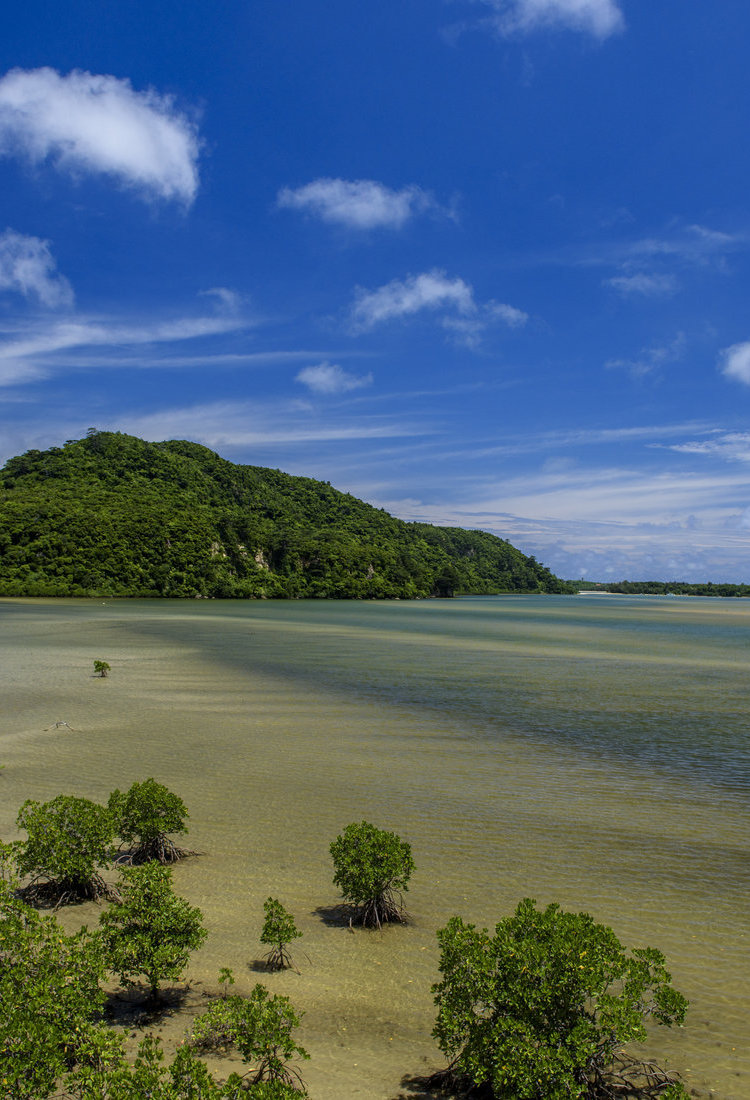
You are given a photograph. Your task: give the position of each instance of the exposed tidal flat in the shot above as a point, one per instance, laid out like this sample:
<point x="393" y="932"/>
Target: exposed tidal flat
<point x="589" y="751"/>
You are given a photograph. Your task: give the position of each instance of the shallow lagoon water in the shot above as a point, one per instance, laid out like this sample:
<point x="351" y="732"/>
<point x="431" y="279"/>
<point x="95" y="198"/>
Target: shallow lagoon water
<point x="592" y="751"/>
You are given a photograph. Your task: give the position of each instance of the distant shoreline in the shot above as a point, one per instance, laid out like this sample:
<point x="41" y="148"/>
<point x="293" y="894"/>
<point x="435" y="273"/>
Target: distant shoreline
<point x="663" y="588"/>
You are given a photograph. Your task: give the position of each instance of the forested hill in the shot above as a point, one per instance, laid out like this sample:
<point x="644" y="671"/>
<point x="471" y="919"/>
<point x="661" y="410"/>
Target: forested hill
<point x="112" y="515"/>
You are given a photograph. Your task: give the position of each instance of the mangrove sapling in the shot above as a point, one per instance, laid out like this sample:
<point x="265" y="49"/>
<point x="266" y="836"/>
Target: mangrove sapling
<point x="260" y="1027"/>
<point x="540" y="1010"/>
<point x="278" y="932"/>
<point x="371" y="867"/>
<point x="101" y="668"/>
<point x="226" y="978"/>
<point x="151" y="931"/>
<point x="68" y="839"/>
<point x="143" y="817"/>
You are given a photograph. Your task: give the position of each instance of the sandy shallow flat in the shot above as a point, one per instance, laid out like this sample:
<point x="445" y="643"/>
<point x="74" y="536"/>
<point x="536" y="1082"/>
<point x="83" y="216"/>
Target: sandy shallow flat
<point x="275" y="743"/>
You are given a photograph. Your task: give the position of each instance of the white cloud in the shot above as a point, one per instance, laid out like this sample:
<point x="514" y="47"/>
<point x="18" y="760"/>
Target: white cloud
<point x="735" y="362"/>
<point x="27" y="267"/>
<point x="600" y="18"/>
<point x="87" y="122"/>
<point x="357" y="204"/>
<point x="331" y="378"/>
<point x="432" y="290"/>
<point x="510" y="315"/>
<point x="649" y="286"/>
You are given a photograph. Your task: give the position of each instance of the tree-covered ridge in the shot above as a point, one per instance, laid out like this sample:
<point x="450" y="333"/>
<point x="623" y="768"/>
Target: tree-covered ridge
<point x="113" y="515"/>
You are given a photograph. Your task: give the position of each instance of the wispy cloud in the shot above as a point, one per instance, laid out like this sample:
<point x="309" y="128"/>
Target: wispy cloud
<point x="655" y="266"/>
<point x="642" y="283"/>
<point x="735" y="362"/>
<point x="575" y="438"/>
<point x="621" y="496"/>
<point x="694" y="244"/>
<point x="269" y="424"/>
<point x="358" y="204"/>
<point x="28" y="268"/>
<point x="226" y="300"/>
<point x="729" y="446"/>
<point x="31" y="352"/>
<point x="607" y="522"/>
<point x="98" y="123"/>
<point x="433" y="292"/>
<point x="330" y="378"/>
<point x="600" y="18"/>
<point x="651" y="265"/>
<point x="469" y="331"/>
<point x="652" y="358"/>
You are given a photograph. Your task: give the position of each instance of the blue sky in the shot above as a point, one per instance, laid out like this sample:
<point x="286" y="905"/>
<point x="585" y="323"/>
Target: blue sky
<point x="479" y="262"/>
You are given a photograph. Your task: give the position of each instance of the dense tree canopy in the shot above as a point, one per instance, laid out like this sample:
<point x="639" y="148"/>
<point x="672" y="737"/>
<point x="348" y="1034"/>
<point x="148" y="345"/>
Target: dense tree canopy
<point x="151" y="931"/>
<point x="541" y="1009"/>
<point x="69" y="839"/>
<point x="49" y="999"/>
<point x="112" y="515"/>
<point x="144" y="816"/>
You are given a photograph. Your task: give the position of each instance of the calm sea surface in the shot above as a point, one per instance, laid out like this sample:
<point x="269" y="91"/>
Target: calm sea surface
<point x="593" y="751"/>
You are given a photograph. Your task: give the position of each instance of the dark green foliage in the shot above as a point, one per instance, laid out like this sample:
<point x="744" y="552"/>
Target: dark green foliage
<point x="371" y="867"/>
<point x="540" y="1010"/>
<point x="279" y="930"/>
<point x="143" y="817"/>
<point x="53" y="1041"/>
<point x="68" y="839"/>
<point x="49" y="999"/>
<point x="151" y="931"/>
<point x="185" y="1078"/>
<point x="260" y="1027"/>
<point x="101" y="668"/>
<point x="663" y="588"/>
<point x="8" y="865"/>
<point x="113" y="515"/>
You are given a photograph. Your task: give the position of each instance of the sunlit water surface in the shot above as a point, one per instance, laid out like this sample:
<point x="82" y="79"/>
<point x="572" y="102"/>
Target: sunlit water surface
<point x="592" y="751"/>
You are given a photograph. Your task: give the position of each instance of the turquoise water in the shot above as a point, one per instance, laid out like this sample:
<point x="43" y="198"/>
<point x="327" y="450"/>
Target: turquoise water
<point x="659" y="682"/>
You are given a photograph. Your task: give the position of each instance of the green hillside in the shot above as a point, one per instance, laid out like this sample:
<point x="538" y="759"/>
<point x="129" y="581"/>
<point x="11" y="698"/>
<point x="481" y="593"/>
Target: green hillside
<point x="112" y="515"/>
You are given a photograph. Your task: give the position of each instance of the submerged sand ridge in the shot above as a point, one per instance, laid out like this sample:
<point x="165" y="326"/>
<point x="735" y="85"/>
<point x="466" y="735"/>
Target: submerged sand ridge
<point x="279" y="724"/>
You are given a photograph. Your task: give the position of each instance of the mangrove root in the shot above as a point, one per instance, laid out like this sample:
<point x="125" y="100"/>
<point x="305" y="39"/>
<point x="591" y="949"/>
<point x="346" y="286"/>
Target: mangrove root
<point x="624" y="1079"/>
<point x="279" y="959"/>
<point x="387" y="908"/>
<point x="159" y="850"/>
<point x="54" y="893"/>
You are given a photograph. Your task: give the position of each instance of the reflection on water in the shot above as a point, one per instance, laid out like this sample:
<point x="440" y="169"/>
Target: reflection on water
<point x="591" y="751"/>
